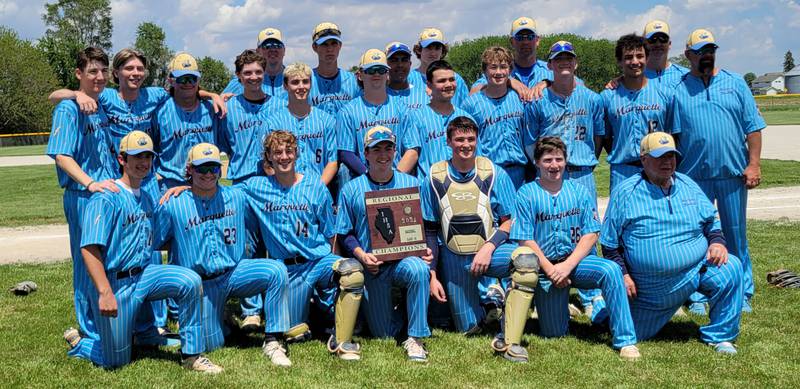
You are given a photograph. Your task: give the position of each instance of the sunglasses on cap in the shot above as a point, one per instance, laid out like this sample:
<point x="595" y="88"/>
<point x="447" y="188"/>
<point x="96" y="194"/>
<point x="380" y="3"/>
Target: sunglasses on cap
<point x="658" y="38"/>
<point x="208" y="168"/>
<point x="707" y="49"/>
<point x="375" y="70"/>
<point x="271" y="45"/>
<point x="524" y="37"/>
<point x="559" y="47"/>
<point x="186" y="80"/>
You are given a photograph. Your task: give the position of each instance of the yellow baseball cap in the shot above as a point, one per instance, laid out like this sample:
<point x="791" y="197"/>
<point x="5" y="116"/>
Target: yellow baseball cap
<point x="700" y="38"/>
<point x="656" y="144"/>
<point x="373" y="57"/>
<point x="136" y="142"/>
<point x="431" y="35"/>
<point x="269" y="33"/>
<point x="522" y="24"/>
<point x="377" y="135"/>
<point x="654" y="27"/>
<point x="326" y="31"/>
<point x="203" y="153"/>
<point x="183" y="64"/>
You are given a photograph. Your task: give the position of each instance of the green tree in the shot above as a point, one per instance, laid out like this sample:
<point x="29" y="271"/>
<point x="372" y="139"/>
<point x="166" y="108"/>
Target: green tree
<point x="215" y="74"/>
<point x="596" y="63"/>
<point x="749" y="77"/>
<point x="71" y="26"/>
<point x="681" y="59"/>
<point x="788" y="61"/>
<point x="150" y="40"/>
<point x="25" y="82"/>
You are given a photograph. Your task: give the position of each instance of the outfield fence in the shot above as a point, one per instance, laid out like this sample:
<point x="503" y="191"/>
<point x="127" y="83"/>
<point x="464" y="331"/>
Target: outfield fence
<point x="24" y="139"/>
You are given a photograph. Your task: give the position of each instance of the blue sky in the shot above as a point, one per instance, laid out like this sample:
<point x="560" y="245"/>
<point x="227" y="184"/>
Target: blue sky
<point x="753" y="34"/>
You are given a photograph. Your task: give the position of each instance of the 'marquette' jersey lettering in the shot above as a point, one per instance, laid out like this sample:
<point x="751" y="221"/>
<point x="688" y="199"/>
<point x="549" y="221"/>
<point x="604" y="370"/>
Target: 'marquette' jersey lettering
<point x="331" y="94"/>
<point x="126" y="116"/>
<point x="242" y="134"/>
<point x="316" y="137"/>
<point x="177" y="131"/>
<point x="501" y="123"/>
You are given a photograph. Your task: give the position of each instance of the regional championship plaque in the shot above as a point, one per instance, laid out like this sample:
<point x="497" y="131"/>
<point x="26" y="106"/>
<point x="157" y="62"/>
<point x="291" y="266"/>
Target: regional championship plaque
<point x="395" y="224"/>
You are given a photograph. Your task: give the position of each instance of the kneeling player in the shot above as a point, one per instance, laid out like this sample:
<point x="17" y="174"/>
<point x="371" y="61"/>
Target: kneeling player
<point x="410" y="273"/>
<point x="557" y="219"/>
<point x="206" y="229"/>
<point x="295" y="217"/>
<point x="117" y="250"/>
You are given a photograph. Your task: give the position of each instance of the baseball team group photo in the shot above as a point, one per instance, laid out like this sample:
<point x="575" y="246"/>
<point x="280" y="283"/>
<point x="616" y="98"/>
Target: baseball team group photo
<point x="532" y="207"/>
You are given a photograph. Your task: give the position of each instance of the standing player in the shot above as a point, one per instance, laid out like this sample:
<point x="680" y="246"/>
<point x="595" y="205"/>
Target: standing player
<point x="295" y="216"/>
<point x="558" y="221"/>
<point x="270" y="46"/>
<point x="499" y="113"/>
<point x="431" y="120"/>
<point x="658" y="69"/>
<point x="573" y="113"/>
<point x="373" y="108"/>
<point x="245" y="125"/>
<point x="116" y="246"/>
<point x="433" y="47"/>
<point x="331" y="87"/>
<point x="206" y="226"/>
<point x="313" y="127"/>
<point x="634" y="109"/>
<point x="410" y="273"/>
<point x="720" y="141"/>
<point x="181" y="122"/>
<point x="79" y="145"/>
<point x="398" y="57"/>
<point x="468" y="200"/>
<point x="527" y="70"/>
<point x="665" y="236"/>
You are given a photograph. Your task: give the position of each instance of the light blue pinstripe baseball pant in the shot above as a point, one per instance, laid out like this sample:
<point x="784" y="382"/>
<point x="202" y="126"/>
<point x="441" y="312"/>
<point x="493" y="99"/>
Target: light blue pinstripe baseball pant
<point x="411" y="274"/>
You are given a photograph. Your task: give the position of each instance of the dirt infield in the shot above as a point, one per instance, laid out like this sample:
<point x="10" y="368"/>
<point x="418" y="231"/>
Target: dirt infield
<point x="50" y="243"/>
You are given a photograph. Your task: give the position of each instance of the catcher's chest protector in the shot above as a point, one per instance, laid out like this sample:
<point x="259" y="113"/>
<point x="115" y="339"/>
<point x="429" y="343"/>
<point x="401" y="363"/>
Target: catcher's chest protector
<point x="466" y="212"/>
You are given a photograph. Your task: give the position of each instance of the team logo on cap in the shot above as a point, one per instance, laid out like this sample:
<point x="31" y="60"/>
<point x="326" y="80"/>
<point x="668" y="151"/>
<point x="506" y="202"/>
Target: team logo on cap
<point x="186" y="64"/>
<point x="432" y="34"/>
<point x="523" y="22"/>
<point x="376" y="56"/>
<point x="657" y="26"/>
<point x="703" y="36"/>
<point x="270" y="33"/>
<point x="664" y="140"/>
<point x="142" y="142"/>
<point x="208" y="151"/>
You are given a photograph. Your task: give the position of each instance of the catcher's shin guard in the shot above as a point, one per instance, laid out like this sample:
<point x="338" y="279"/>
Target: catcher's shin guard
<point x="524" y="277"/>
<point x="350" y="275"/>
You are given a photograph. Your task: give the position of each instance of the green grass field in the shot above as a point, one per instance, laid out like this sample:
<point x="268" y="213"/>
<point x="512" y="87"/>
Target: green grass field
<point x="779" y="110"/>
<point x="775" y="118"/>
<point x="33" y="352"/>
<point x="15" y="151"/>
<point x="33" y="196"/>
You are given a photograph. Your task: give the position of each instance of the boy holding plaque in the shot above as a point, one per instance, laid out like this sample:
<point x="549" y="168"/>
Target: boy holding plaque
<point x="409" y="273"/>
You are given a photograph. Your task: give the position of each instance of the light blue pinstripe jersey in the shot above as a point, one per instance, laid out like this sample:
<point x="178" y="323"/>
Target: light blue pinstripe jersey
<point x="316" y="137"/>
<point x="242" y="134"/>
<point x="539" y="72"/>
<point x="576" y="120"/>
<point x="353" y="208"/>
<point x="415" y="96"/>
<point x="431" y="132"/>
<point x="501" y="196"/>
<point x="501" y="123"/>
<point x="555" y="222"/>
<point x="358" y="116"/>
<point x="415" y="77"/>
<point x="714" y="122"/>
<point x="295" y="221"/>
<point x="331" y="94"/>
<point x="272" y="86"/>
<point x="630" y="115"/>
<point x="662" y="235"/>
<point x="208" y="234"/>
<point x="667" y="78"/>
<point x="177" y="131"/>
<point x="85" y="139"/>
<point x="125" y="117"/>
<point x="122" y="224"/>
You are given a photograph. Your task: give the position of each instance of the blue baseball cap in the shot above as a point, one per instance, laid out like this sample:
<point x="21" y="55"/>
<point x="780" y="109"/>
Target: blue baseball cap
<point x="397" y="47"/>
<point x="561" y="47"/>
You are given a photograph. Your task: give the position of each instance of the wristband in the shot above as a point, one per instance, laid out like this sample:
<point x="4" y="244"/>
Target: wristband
<point x="89" y="184"/>
<point x="499" y="237"/>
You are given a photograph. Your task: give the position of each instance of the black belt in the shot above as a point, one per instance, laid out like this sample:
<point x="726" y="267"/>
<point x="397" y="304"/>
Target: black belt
<point x="297" y="260"/>
<point x="571" y="168"/>
<point x="129" y="273"/>
<point x="209" y="277"/>
<point x="636" y="163"/>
